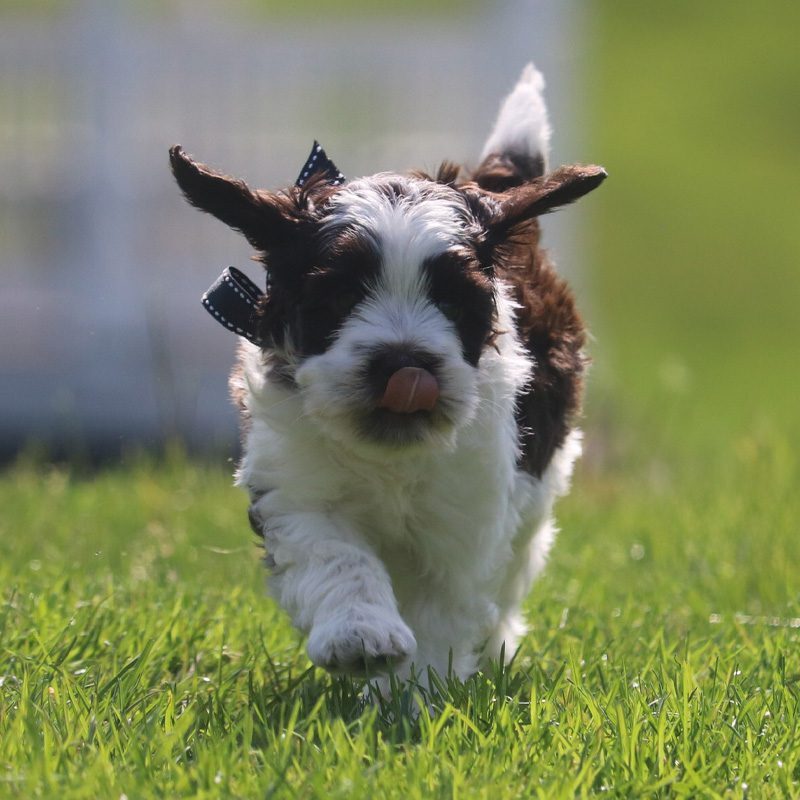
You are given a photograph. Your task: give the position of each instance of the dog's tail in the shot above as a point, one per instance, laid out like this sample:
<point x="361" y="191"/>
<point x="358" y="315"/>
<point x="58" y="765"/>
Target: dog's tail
<point x="518" y="146"/>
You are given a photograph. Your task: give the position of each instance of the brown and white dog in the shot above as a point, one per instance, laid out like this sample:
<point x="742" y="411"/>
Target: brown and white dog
<point x="408" y="418"/>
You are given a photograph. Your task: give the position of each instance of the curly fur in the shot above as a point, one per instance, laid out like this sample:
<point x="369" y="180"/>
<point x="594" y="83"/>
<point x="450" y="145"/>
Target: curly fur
<point x="402" y="541"/>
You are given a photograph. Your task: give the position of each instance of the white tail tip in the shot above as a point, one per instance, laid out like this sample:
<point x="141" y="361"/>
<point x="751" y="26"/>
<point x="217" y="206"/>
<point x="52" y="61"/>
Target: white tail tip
<point x="522" y="126"/>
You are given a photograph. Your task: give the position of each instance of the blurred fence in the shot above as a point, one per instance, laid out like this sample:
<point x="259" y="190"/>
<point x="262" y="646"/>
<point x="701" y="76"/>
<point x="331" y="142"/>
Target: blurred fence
<point x="102" y="337"/>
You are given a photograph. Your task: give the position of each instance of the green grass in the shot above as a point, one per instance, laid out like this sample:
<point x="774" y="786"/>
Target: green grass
<point x="697" y="278"/>
<point x="139" y="656"/>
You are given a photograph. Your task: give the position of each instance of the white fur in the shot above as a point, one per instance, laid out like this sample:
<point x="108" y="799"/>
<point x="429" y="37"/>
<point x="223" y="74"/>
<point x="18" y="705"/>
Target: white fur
<point x="404" y="554"/>
<point x="422" y="224"/>
<point x="397" y="311"/>
<point x="414" y="555"/>
<point x="522" y="126"/>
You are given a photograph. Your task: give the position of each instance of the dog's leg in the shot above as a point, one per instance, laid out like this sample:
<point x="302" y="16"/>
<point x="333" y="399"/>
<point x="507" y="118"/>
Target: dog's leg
<point x="530" y="554"/>
<point x="335" y="589"/>
<point x="531" y="545"/>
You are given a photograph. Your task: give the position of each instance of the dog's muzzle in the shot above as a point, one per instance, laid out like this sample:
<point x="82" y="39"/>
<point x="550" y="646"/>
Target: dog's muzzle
<point x="407" y="396"/>
<point x="410" y="389"/>
<point x="403" y="379"/>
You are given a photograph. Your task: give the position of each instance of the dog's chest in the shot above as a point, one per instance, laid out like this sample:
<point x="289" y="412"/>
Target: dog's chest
<point x="435" y="510"/>
<point x="432" y="514"/>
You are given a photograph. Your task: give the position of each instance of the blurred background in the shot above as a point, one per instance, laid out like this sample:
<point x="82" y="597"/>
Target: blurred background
<point x="128" y="574"/>
<point x="104" y="342"/>
<point x="686" y="262"/>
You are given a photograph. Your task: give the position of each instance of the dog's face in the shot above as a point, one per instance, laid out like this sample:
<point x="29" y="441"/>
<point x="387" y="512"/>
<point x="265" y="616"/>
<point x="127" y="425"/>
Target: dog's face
<point x="394" y="316"/>
<point x="382" y="292"/>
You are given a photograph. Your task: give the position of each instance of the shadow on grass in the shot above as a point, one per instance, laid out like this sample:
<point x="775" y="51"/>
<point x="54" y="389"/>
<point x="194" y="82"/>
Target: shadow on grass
<point x="291" y="701"/>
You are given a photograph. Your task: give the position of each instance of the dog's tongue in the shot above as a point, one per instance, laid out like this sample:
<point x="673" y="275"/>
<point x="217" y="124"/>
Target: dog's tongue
<point x="410" y="389"/>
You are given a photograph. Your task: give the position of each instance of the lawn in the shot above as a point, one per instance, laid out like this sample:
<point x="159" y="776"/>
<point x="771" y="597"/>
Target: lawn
<point x="139" y="657"/>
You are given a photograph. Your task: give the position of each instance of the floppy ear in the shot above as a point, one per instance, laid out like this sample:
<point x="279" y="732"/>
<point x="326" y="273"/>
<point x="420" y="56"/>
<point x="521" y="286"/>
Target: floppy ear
<point x="555" y="189"/>
<point x="264" y="218"/>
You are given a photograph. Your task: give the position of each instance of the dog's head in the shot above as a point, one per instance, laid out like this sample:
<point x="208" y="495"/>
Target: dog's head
<point x="381" y="293"/>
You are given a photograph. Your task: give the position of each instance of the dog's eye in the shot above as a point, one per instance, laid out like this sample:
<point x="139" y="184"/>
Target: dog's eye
<point x="452" y="311"/>
<point x="342" y="304"/>
<point x="335" y="304"/>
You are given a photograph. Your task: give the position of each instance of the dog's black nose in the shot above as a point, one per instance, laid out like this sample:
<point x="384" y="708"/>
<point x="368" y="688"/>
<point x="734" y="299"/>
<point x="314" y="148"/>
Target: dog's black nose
<point x="389" y="360"/>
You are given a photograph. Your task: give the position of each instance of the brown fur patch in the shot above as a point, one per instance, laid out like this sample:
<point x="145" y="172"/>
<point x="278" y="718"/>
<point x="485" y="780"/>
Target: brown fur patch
<point x="547" y="321"/>
<point x="447" y="173"/>
<point x="497" y="173"/>
<point x="459" y="286"/>
<point x="553" y="332"/>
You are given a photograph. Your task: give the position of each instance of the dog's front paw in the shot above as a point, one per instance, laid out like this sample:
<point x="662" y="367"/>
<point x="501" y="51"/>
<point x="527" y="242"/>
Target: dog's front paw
<point x="362" y="641"/>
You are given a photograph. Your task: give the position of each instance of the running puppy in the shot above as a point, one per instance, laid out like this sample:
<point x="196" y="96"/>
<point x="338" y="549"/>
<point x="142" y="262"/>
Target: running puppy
<point x="408" y="394"/>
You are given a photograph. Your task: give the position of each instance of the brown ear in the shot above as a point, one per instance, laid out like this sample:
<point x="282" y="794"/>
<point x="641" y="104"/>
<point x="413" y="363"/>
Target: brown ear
<point x="558" y="188"/>
<point x="264" y="218"/>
